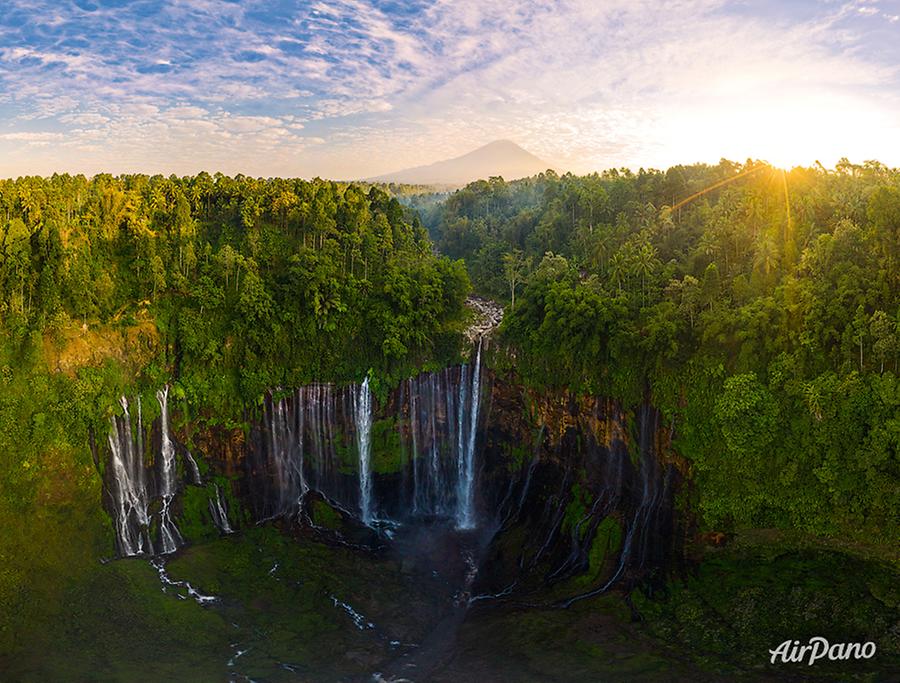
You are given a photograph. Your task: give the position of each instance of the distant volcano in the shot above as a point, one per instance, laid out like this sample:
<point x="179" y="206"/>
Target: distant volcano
<point x="499" y="158"/>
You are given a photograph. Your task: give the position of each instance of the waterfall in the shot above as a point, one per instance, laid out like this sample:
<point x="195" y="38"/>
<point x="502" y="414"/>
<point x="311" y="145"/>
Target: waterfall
<point x="170" y="538"/>
<point x="434" y="462"/>
<point x="195" y="470"/>
<point x="299" y="446"/>
<point x="650" y="524"/>
<point x="461" y="443"/>
<point x="128" y="488"/>
<point x="219" y="513"/>
<point x="309" y="440"/>
<point x="286" y="435"/>
<point x="465" y="514"/>
<point x="362" y="410"/>
<point x="133" y="484"/>
<point x="320" y="438"/>
<point x="414" y="454"/>
<point x="435" y="416"/>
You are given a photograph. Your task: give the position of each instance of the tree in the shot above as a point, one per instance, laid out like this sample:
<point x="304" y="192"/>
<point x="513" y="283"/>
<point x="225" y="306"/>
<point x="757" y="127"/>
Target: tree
<point x="255" y="303"/>
<point x="645" y="264"/>
<point x="17" y="262"/>
<point x="227" y="258"/>
<point x="157" y="275"/>
<point x="686" y="294"/>
<point x="884" y="337"/>
<point x="515" y="267"/>
<point x="189" y="260"/>
<point x="709" y="291"/>
<point x="860" y="327"/>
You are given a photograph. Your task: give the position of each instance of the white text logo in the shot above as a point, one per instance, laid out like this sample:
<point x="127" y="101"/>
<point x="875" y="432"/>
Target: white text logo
<point x="819" y="648"/>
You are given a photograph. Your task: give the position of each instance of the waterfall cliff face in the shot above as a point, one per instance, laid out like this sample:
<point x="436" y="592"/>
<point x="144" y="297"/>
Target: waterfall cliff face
<point x="595" y="498"/>
<point x="557" y="487"/>
<point x="551" y="486"/>
<point x="423" y="468"/>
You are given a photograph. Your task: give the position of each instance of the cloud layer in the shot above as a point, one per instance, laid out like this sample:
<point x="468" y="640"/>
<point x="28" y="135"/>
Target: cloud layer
<point x="352" y="88"/>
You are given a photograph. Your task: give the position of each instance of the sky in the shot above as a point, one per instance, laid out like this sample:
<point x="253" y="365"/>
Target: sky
<point x="354" y="88"/>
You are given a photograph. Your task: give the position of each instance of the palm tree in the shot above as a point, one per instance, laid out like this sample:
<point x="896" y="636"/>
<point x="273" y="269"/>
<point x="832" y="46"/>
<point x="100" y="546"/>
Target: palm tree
<point x="618" y="269"/>
<point x="645" y="263"/>
<point x="599" y="247"/>
<point x="766" y="255"/>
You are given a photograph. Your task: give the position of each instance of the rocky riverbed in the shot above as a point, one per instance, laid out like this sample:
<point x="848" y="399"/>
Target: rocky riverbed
<point x="488" y="315"/>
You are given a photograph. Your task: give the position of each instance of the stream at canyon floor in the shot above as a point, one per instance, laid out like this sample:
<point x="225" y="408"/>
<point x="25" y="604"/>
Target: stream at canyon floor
<point x="266" y="604"/>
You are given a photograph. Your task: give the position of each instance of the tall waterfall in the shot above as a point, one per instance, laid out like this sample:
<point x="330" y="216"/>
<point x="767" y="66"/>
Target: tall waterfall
<point x="170" y="538"/>
<point x="428" y="415"/>
<point x="440" y="415"/>
<point x="128" y="488"/>
<point x="362" y="410"/>
<point x="465" y="485"/>
<point x="134" y="485"/>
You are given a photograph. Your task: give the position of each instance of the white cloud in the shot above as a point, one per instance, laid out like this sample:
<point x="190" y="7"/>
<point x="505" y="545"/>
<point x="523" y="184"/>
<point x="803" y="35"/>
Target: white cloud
<point x="31" y="137"/>
<point x="349" y="89"/>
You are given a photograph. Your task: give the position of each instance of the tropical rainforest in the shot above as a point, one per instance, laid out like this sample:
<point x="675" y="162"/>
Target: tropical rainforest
<point x="758" y="310"/>
<point x="760" y="307"/>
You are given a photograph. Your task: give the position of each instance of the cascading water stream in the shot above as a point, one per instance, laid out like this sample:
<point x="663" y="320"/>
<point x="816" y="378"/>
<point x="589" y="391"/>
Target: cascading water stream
<point x="362" y="410"/>
<point x="465" y="513"/>
<point x="219" y="513"/>
<point x="133" y="484"/>
<point x="170" y="538"/>
<point x="195" y="470"/>
<point x="128" y="487"/>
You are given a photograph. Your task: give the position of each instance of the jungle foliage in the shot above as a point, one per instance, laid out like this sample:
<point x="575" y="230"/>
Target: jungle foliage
<point x="760" y="308"/>
<point x="224" y="287"/>
<point x="252" y="283"/>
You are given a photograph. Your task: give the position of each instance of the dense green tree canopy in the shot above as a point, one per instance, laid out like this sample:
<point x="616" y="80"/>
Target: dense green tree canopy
<point x="253" y="282"/>
<point x="759" y="308"/>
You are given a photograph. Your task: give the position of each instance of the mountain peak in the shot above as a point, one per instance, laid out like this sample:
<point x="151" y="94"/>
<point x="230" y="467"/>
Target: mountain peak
<point x="497" y="158"/>
<point x="502" y="144"/>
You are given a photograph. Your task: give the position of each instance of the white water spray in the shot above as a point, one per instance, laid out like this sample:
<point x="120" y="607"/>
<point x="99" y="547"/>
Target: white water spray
<point x="362" y="408"/>
<point x="219" y="513"/>
<point x="465" y="514"/>
<point x="170" y="537"/>
<point x="128" y="488"/>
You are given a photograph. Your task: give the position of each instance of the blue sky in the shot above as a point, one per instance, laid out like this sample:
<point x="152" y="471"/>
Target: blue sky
<point x="354" y="88"/>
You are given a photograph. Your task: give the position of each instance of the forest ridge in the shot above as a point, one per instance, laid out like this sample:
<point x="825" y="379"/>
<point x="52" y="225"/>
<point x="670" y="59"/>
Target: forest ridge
<point x="758" y="309"/>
